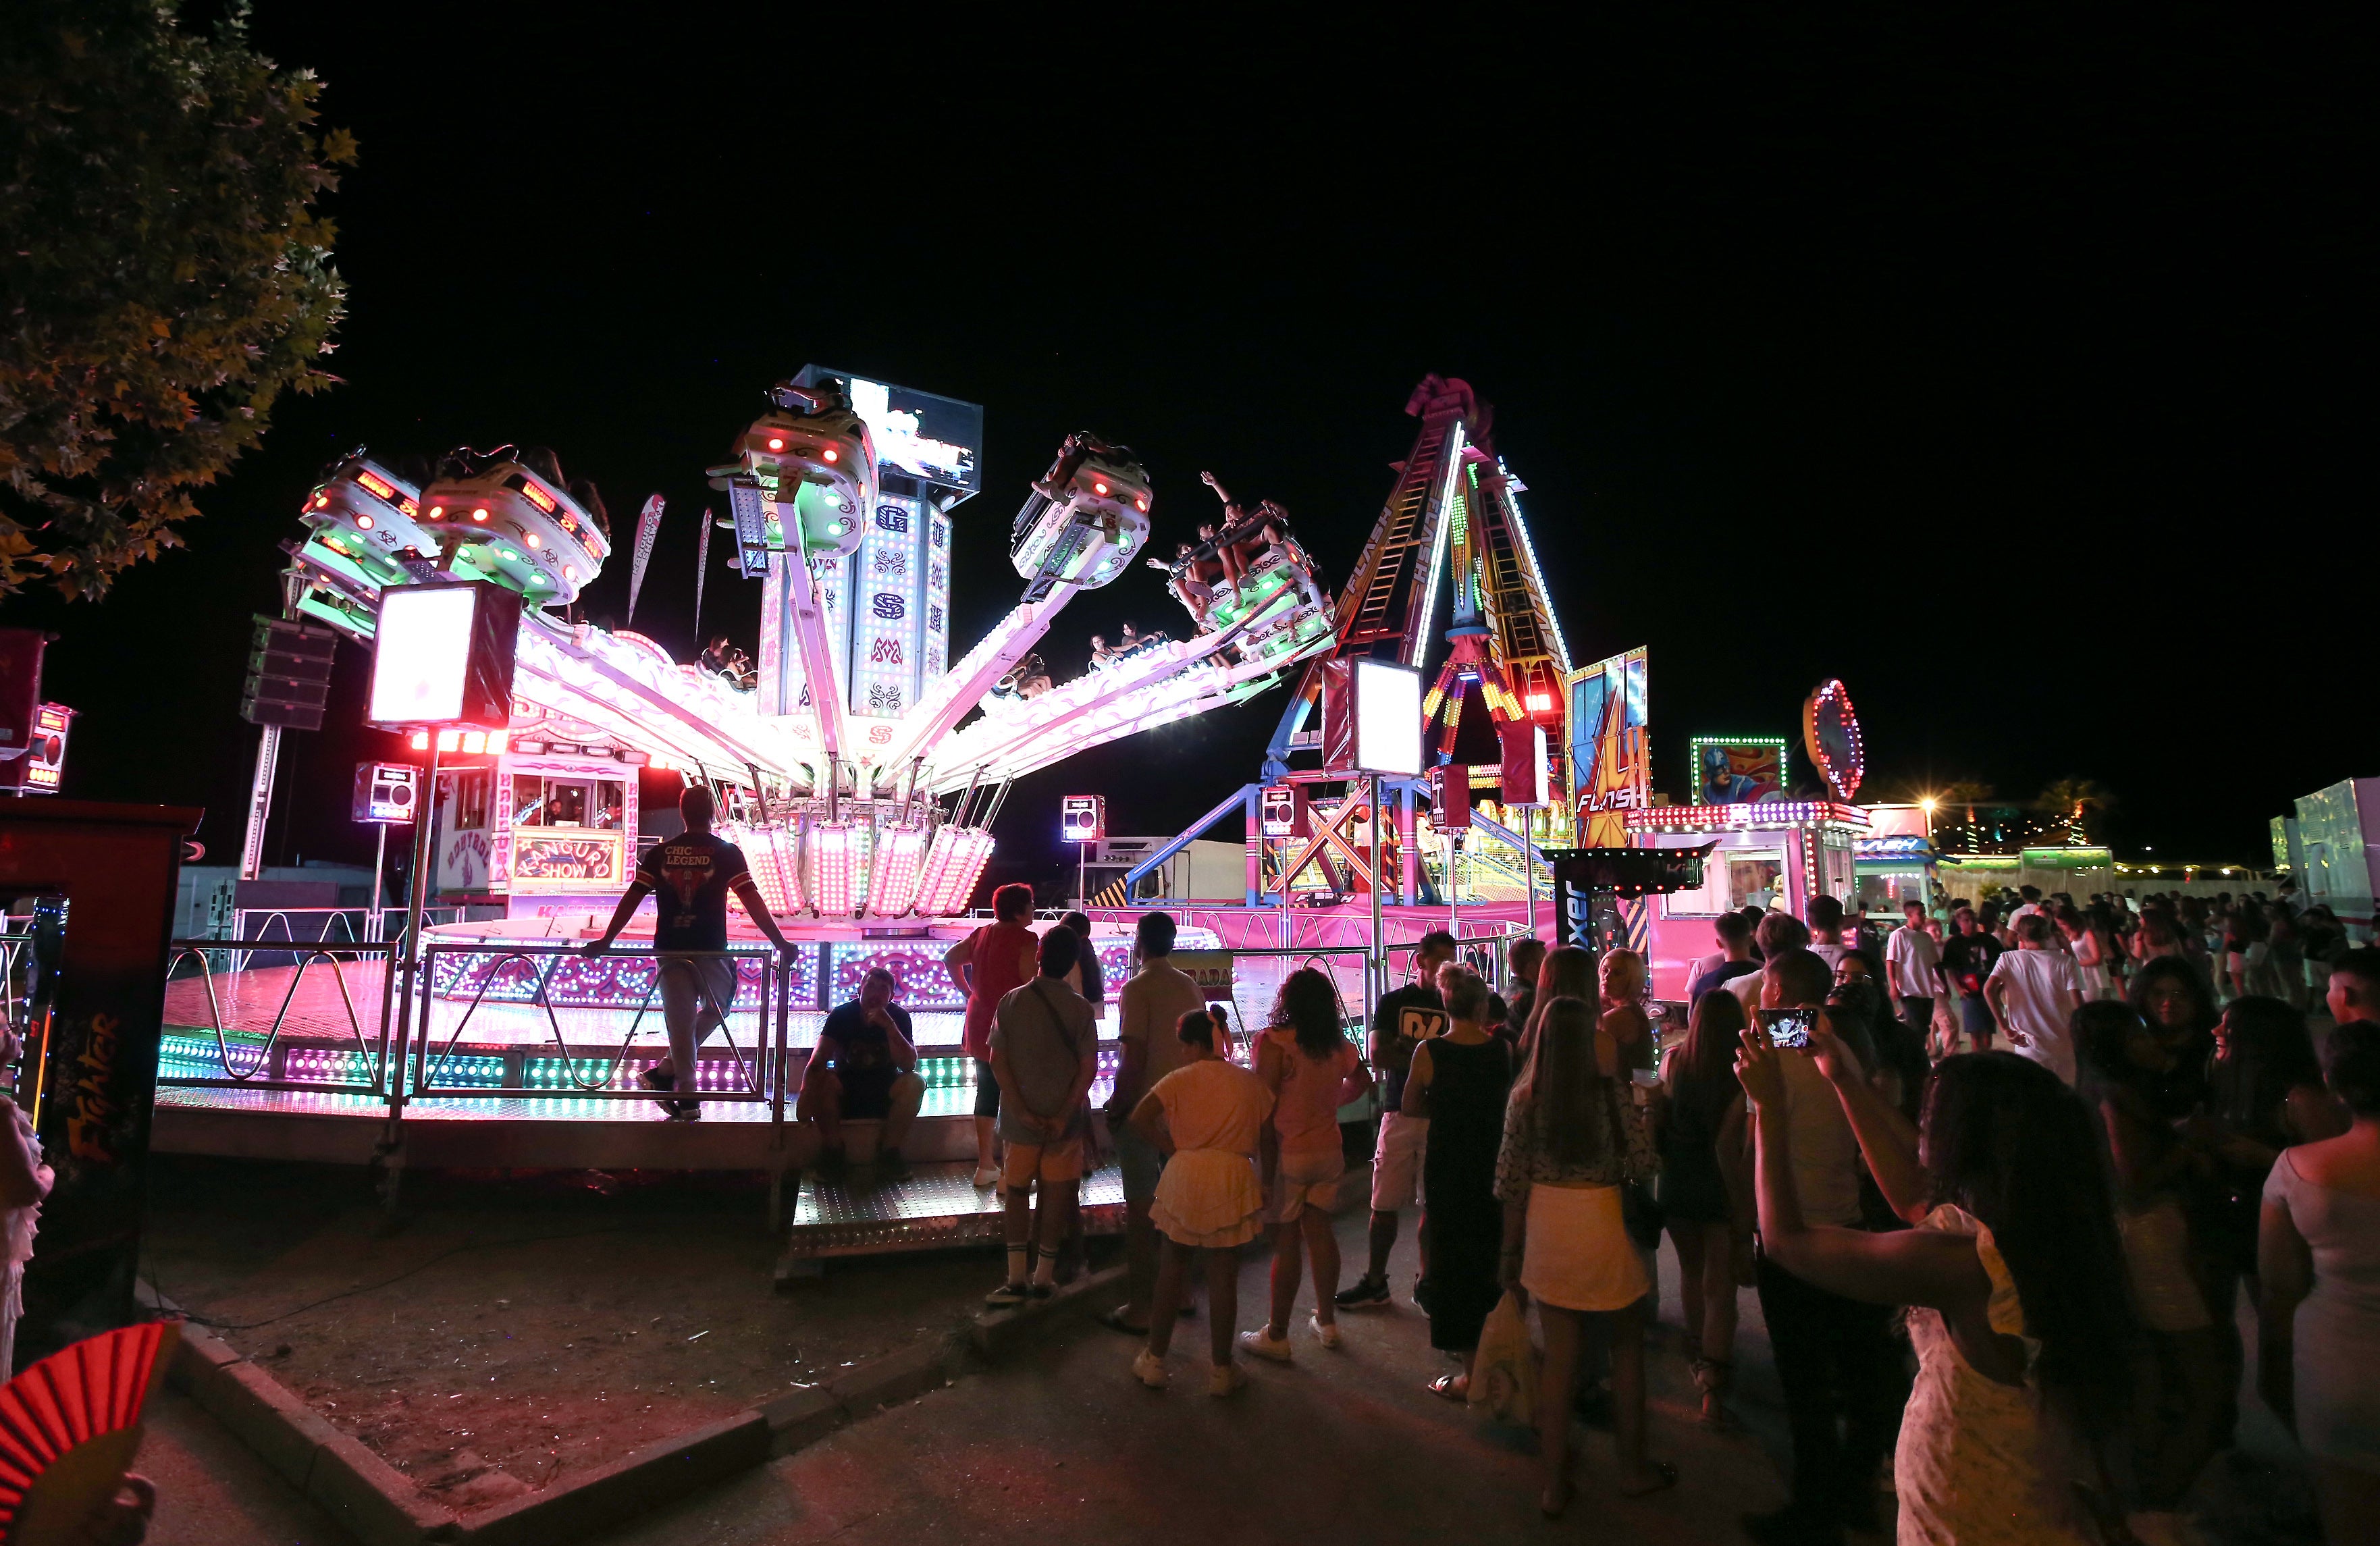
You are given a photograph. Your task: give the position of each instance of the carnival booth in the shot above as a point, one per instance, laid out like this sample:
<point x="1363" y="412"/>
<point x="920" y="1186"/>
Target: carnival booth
<point x="1771" y="854"/>
<point x="1895" y="861"/>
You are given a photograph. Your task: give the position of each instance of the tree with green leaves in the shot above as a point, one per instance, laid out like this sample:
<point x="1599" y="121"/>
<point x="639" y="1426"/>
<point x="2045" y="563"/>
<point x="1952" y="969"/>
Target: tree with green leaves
<point x="163" y="274"/>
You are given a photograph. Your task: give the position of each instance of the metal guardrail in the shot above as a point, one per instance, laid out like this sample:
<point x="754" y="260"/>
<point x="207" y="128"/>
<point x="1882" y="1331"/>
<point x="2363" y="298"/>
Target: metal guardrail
<point x="235" y="1078"/>
<point x="257" y="924"/>
<point x="764" y="1075"/>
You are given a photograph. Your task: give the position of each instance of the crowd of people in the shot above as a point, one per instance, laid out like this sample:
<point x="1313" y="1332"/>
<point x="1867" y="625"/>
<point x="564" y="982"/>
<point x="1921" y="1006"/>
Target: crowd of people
<point x="2042" y="1360"/>
<point x="1998" y="1179"/>
<point x="2229" y="1154"/>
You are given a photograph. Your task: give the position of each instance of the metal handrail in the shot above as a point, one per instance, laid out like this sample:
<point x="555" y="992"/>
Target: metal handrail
<point x="234" y="1079"/>
<point x="753" y="1091"/>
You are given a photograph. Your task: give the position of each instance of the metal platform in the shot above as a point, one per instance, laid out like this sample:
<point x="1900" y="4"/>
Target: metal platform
<point x="937" y="1209"/>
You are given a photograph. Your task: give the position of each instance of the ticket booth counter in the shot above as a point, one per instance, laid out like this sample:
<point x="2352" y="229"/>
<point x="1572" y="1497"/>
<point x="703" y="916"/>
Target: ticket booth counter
<point x="534" y="830"/>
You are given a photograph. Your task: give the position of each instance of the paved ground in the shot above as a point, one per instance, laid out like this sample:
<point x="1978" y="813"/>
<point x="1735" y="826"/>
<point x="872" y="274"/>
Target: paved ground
<point x="212" y="1492"/>
<point x="518" y="1331"/>
<point x="1344" y="1446"/>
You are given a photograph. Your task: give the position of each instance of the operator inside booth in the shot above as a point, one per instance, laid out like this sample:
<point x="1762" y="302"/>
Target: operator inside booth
<point x="542" y="801"/>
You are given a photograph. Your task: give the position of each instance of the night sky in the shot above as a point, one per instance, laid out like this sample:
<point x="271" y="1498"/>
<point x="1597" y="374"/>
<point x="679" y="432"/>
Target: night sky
<point x="2006" y="370"/>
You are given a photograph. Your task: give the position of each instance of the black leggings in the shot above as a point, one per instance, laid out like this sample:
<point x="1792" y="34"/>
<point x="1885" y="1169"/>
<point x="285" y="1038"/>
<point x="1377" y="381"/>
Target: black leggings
<point x="987" y="1090"/>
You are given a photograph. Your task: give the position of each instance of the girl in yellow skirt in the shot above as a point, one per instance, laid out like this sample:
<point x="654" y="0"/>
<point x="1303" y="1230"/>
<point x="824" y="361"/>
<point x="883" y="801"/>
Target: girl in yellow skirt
<point x="1205" y="1117"/>
<point x="1566" y="1246"/>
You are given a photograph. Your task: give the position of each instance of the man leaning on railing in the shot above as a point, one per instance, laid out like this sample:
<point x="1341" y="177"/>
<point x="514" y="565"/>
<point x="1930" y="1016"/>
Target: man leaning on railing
<point x="689" y="877"/>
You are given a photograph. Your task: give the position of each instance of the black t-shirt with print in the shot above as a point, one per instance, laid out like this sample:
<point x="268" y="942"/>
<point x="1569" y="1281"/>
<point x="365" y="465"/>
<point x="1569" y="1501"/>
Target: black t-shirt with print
<point x="691" y="876"/>
<point x="1967" y="960"/>
<point x="1402" y="1021"/>
<point x="863" y="1055"/>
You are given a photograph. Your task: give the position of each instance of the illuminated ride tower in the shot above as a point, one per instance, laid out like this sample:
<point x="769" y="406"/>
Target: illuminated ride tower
<point x="1452" y="521"/>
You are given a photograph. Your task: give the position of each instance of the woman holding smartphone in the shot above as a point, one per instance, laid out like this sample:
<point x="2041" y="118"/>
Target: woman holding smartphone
<point x="2013" y="1280"/>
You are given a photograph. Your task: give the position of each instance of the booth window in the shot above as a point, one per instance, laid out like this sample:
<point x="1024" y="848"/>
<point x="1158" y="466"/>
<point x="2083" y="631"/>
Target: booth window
<point x="471" y="800"/>
<point x="569" y="800"/>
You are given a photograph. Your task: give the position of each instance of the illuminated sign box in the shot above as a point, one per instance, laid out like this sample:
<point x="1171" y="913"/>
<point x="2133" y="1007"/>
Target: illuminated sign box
<point x="569" y="859"/>
<point x="1387" y="718"/>
<point x="931" y="438"/>
<point x="442" y="655"/>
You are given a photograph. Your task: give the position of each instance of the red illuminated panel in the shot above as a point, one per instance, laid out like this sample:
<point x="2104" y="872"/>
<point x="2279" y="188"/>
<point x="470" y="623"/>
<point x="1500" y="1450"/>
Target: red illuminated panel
<point x="377" y="485"/>
<point x="539" y="497"/>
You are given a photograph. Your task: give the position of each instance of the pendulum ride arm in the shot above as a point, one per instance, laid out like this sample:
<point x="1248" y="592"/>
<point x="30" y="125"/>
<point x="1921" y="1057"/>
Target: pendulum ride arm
<point x="1526" y="639"/>
<point x="1389" y="598"/>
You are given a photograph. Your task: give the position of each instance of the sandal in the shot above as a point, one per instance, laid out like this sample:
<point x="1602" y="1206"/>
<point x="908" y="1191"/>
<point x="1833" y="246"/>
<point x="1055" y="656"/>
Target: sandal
<point x="1662" y="1468"/>
<point x="1113" y="1321"/>
<point x="1452" y="1387"/>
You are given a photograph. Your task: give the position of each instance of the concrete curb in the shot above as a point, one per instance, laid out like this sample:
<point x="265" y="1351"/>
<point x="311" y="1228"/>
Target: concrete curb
<point x="997" y="1331"/>
<point x="354" y="1486"/>
<point x="382" y="1507"/>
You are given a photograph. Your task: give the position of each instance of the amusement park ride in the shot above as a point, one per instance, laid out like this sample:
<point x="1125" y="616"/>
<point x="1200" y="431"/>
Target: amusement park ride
<point x="858" y="765"/>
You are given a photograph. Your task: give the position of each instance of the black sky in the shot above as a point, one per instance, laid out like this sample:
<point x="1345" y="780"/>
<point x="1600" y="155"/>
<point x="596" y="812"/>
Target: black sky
<point x="2009" y="370"/>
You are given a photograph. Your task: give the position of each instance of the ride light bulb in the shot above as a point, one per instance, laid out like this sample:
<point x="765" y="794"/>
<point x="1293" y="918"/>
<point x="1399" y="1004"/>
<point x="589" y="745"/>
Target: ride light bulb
<point x="1141" y="505"/>
<point x="776" y="443"/>
<point x="480" y="514"/>
<point x="535" y="540"/>
<point x="832" y="455"/>
<point x="569" y="573"/>
<point x="834" y="529"/>
<point x="1099" y="487"/>
<point x="436" y="511"/>
<point x="364" y="523"/>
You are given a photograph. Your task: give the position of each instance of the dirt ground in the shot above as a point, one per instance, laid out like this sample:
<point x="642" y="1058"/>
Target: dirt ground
<point x="517" y="1328"/>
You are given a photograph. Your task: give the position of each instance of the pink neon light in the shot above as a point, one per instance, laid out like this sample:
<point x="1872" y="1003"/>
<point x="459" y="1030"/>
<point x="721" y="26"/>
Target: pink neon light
<point x="892" y="877"/>
<point x="951" y="868"/>
<point x="831" y="870"/>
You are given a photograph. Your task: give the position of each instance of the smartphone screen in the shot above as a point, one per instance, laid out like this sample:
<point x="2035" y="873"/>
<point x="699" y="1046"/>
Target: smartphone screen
<point x="1787" y="1028"/>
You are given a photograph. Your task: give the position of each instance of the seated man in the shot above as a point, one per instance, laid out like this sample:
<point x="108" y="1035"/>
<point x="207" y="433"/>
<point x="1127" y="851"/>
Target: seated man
<point x="865" y="1069"/>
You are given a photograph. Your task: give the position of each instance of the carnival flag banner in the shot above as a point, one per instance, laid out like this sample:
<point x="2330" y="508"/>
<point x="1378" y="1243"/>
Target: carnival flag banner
<point x="648" y="526"/>
<point x="702" y="568"/>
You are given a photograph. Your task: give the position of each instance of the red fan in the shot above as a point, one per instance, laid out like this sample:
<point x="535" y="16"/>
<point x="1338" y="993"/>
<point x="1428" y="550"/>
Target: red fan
<point x="69" y="1426"/>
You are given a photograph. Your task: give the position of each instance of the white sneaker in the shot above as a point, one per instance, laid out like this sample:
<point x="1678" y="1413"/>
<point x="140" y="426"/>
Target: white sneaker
<point x="1327" y="1335"/>
<point x="1149" y="1369"/>
<point x="1262" y="1344"/>
<point x="1226" y="1379"/>
<point x="984" y="1175"/>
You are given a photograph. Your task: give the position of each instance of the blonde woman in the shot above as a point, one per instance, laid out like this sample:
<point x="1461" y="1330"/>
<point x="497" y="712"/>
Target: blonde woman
<point x="1566" y="1246"/>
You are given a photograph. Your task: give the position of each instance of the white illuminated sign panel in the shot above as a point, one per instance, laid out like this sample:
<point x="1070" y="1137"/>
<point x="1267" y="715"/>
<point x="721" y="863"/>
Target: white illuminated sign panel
<point x="1388" y="718"/>
<point x="421" y="654"/>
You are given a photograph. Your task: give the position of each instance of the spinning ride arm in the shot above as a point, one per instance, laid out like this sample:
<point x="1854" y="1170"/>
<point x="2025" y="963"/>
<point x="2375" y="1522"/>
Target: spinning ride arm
<point x="807" y="617"/>
<point x="1078" y="528"/>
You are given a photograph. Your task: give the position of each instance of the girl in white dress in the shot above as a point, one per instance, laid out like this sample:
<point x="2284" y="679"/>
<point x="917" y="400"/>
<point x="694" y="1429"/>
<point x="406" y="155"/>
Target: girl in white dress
<point x="2013" y="1279"/>
<point x="1206" y="1117"/>
<point x="2091" y="966"/>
